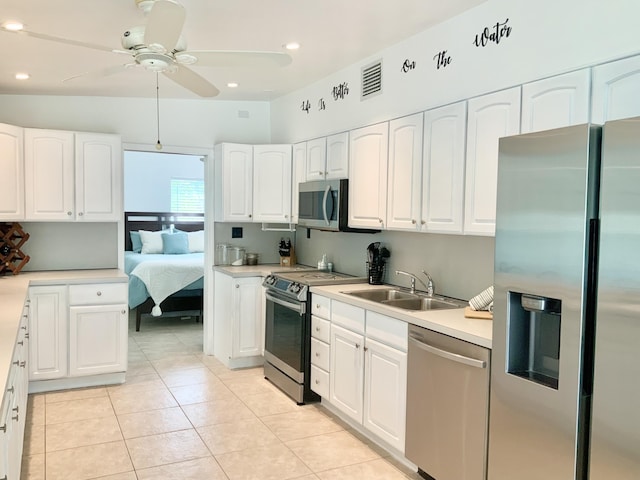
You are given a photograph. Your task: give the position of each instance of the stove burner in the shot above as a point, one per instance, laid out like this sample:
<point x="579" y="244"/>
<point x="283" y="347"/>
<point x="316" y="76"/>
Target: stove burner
<point x="328" y="276"/>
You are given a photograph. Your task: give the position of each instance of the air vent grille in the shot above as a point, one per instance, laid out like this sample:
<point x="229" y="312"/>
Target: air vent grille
<point x="371" y="80"/>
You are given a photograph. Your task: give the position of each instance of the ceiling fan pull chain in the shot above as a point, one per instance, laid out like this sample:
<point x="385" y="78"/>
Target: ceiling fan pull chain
<point x="158" y="145"/>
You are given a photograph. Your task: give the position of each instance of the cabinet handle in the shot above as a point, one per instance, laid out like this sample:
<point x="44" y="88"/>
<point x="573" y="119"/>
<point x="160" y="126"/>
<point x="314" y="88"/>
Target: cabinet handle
<point x="16" y="418"/>
<point x="16" y="363"/>
<point x="23" y="364"/>
<point x="249" y="215"/>
<point x="123" y="312"/>
<point x="423" y="222"/>
<point x="317" y="354"/>
<point x="380" y="220"/>
<point x="357" y="345"/>
<point x="317" y="329"/>
<point x="366" y="348"/>
<point x="99" y="293"/>
<point x="286" y="216"/>
<point x="80" y="214"/>
<point x="10" y="389"/>
<point x="16" y="409"/>
<point x="3" y="428"/>
<point x="21" y="342"/>
<point x="237" y="285"/>
<point x="317" y="382"/>
<point x="26" y="335"/>
<point x="69" y="213"/>
<point x="413" y="222"/>
<point x="317" y="305"/>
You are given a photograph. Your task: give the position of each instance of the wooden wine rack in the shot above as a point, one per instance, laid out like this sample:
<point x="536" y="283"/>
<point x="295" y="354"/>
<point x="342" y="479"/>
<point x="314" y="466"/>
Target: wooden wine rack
<point x="12" y="238"/>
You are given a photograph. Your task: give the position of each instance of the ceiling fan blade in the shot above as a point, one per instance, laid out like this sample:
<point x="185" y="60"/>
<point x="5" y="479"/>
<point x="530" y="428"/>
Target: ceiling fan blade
<point x="192" y="81"/>
<point x="164" y="25"/>
<point x="212" y="58"/>
<point x="103" y="72"/>
<point x="66" y="41"/>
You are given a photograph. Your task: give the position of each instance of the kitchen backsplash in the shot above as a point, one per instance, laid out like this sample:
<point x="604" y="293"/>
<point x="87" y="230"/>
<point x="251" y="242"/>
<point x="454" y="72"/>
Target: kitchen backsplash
<point x="461" y="266"/>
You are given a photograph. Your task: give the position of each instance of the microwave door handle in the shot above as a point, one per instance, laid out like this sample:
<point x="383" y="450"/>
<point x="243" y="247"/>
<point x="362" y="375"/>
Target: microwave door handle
<point x="327" y="191"/>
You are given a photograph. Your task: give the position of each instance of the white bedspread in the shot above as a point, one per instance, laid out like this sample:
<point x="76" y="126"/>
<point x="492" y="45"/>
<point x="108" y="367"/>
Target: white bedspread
<point x="166" y="276"/>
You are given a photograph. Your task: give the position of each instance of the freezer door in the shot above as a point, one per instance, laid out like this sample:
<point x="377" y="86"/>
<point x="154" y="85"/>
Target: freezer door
<point x="545" y="206"/>
<point x="615" y="437"/>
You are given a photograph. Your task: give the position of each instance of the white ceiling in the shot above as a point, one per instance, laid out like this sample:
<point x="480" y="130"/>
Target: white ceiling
<point x="333" y="35"/>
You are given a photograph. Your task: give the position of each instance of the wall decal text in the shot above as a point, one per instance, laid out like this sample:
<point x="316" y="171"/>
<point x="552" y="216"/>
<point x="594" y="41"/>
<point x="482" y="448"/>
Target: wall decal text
<point x="408" y="65"/>
<point x="306" y="106"/>
<point x="442" y="59"/>
<point x="321" y="104"/>
<point x="340" y="91"/>
<point x="493" y="34"/>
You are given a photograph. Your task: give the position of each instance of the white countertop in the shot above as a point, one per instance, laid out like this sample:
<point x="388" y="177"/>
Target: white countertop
<point x="450" y="322"/>
<point x="261" y="270"/>
<point x="13" y="293"/>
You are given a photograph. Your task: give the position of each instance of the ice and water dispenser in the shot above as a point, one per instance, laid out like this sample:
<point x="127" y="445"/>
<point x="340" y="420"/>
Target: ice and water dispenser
<point x="534" y="338"/>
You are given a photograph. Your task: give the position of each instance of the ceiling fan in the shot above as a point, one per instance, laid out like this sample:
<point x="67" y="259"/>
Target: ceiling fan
<point x="159" y="46"/>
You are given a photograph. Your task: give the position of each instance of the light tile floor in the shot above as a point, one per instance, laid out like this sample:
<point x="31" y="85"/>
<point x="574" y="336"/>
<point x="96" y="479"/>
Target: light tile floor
<point x="183" y="415"/>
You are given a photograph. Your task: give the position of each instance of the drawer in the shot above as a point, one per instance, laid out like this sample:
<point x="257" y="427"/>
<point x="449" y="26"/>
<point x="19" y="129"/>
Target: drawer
<point x="388" y="330"/>
<point x="98" y="293"/>
<point x="321" y="329"/>
<point x="321" y="306"/>
<point x="320" y="381"/>
<point x="320" y="354"/>
<point x="348" y="316"/>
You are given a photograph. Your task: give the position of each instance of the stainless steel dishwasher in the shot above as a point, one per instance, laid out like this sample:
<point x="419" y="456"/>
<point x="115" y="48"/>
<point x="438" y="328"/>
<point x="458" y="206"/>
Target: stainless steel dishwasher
<point x="447" y="406"/>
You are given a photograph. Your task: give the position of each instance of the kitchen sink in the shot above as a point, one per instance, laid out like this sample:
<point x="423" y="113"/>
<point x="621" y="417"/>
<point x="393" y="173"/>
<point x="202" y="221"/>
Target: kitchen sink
<point x="378" y="295"/>
<point x="407" y="300"/>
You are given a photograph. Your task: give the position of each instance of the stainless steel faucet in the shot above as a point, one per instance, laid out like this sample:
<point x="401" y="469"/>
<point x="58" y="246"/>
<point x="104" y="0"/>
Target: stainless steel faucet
<point x="430" y="287"/>
<point x="413" y="281"/>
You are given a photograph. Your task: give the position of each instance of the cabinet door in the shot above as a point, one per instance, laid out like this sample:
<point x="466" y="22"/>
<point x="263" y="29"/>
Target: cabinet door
<point x="338" y="156"/>
<point x="490" y="117"/>
<point x="12" y="168"/>
<point x="346" y="377"/>
<point x="385" y="392"/>
<point x="443" y="169"/>
<point x="234" y="182"/>
<point x="48" y="327"/>
<point x="247" y="317"/>
<point x="615" y="90"/>
<point x="316" y="159"/>
<point x="368" y="176"/>
<point x="298" y="175"/>
<point x="272" y="183"/>
<point x="556" y="102"/>
<point x="97" y="339"/>
<point x="98" y="177"/>
<point x="405" y="168"/>
<point x="49" y="175"/>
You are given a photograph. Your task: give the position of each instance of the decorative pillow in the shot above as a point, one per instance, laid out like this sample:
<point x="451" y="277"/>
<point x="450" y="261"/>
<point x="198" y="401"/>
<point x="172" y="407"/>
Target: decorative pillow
<point x="136" y="242"/>
<point x="196" y="241"/>
<point x="151" y="241"/>
<point x="175" y="243"/>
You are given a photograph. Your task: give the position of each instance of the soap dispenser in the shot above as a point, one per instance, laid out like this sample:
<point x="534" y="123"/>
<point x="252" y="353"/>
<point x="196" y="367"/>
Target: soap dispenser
<point x="322" y="264"/>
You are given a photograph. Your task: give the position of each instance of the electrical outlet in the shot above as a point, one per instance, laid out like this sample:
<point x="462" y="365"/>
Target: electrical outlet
<point x="236" y="232"/>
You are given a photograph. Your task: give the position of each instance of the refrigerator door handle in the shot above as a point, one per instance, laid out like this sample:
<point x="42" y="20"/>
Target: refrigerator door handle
<point x="472" y="362"/>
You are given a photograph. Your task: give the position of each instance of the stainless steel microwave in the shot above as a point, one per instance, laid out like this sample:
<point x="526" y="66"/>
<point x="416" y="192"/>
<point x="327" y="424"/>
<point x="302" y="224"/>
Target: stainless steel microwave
<point x="323" y="205"/>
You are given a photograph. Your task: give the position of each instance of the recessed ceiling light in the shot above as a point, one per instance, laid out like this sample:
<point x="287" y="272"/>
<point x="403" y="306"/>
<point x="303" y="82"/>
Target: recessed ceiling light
<point x="232" y="85"/>
<point x="22" y="76"/>
<point x="13" y="26"/>
<point x="292" y="46"/>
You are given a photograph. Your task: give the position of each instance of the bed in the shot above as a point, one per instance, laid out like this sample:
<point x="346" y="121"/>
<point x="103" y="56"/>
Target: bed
<point x="164" y="259"/>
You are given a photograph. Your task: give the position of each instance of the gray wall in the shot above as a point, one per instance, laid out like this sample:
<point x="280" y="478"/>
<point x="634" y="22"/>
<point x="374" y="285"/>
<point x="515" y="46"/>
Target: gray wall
<point x="254" y="239"/>
<point x="461" y="266"/>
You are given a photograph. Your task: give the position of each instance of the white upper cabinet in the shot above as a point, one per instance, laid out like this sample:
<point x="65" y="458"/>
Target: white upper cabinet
<point x="298" y="175"/>
<point x="615" y="90"/>
<point x="337" y="156"/>
<point x="316" y="159"/>
<point x="72" y="177"/>
<point x="12" y="168"/>
<point x="272" y="183"/>
<point x="556" y="102"/>
<point x="443" y="169"/>
<point x="234" y="182"/>
<point x="98" y="161"/>
<point x="328" y="157"/>
<point x="368" y="153"/>
<point x="405" y="167"/>
<point x="490" y="117"/>
<point x="49" y="175"/>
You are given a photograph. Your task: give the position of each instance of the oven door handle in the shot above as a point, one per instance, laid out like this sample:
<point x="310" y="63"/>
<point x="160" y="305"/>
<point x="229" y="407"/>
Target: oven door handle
<point x="298" y="307"/>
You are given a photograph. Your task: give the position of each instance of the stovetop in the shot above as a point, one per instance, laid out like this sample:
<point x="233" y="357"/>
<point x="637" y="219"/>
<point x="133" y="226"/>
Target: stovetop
<point x="296" y="284"/>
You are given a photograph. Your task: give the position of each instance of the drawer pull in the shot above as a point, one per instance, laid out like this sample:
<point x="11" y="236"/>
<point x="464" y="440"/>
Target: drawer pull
<point x="99" y="293"/>
<point x="16" y="409"/>
<point x="317" y="354"/>
<point x="3" y="428"/>
<point x="16" y="363"/>
<point x="317" y="382"/>
<point x="23" y="364"/>
<point x="21" y="342"/>
<point x="10" y="389"/>
<point x="16" y="418"/>
<point x="317" y="329"/>
<point x="26" y="335"/>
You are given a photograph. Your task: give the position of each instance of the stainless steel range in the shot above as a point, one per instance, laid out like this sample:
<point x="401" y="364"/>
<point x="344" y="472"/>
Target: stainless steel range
<point x="288" y="328"/>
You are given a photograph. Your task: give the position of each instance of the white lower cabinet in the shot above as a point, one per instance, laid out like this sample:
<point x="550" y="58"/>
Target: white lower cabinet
<point x="77" y="331"/>
<point x="368" y="371"/>
<point x="238" y="320"/>
<point x="13" y="406"/>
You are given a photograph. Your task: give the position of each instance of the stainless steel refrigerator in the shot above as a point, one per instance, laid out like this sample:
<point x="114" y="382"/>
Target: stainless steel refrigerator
<point x="565" y="381"/>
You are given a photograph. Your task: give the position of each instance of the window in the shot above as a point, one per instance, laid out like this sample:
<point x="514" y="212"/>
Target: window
<point x="187" y="195"/>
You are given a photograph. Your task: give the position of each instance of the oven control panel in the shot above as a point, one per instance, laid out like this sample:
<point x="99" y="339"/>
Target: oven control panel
<point x="292" y="289"/>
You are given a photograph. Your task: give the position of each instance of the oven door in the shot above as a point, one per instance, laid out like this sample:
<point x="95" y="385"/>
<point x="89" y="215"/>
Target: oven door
<point x="284" y="334"/>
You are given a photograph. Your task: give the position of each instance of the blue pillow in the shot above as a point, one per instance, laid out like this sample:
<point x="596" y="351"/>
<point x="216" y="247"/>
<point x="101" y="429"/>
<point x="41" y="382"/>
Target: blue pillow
<point x="175" y="243"/>
<point x="136" y="242"/>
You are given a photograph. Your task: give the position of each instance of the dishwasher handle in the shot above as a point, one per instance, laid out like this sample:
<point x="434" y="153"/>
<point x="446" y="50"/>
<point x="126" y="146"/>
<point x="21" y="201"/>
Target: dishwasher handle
<point x="472" y="362"/>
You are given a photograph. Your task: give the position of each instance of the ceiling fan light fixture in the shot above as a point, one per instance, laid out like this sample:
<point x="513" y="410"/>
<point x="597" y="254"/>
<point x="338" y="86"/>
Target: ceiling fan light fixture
<point x="232" y="85"/>
<point x="12" y="26"/>
<point x="22" y="76"/>
<point x="292" y="46"/>
<point x="185" y="58"/>
<point x="157" y="48"/>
